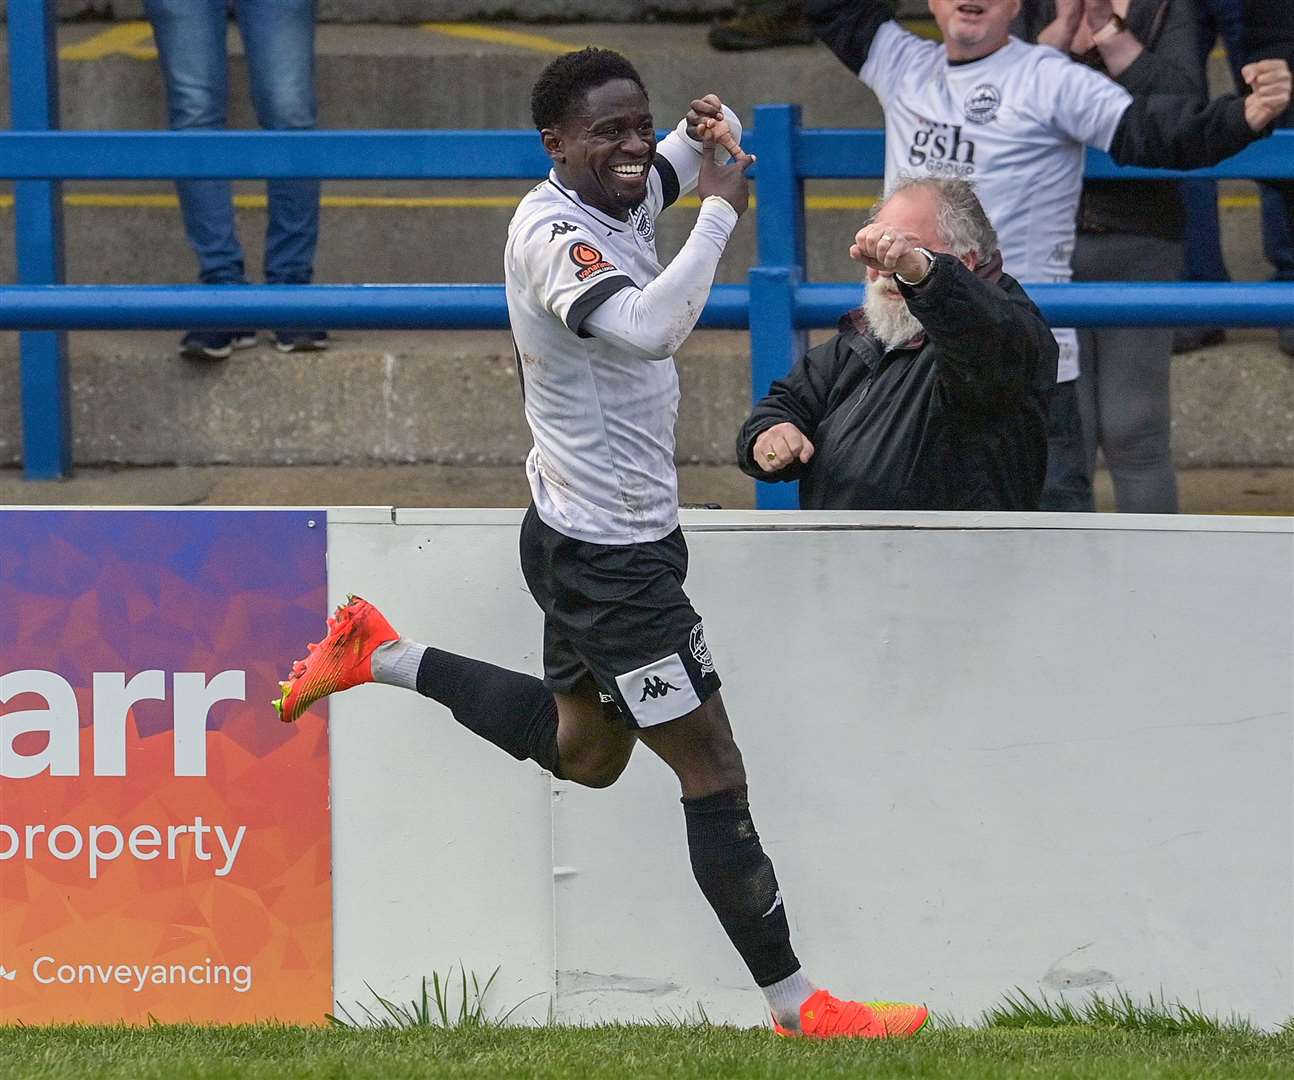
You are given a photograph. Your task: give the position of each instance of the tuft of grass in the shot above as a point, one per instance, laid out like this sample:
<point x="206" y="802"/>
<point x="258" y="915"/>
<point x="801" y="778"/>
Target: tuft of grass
<point x="687" y="1020"/>
<point x="432" y="1006"/>
<point x="1122" y="1012"/>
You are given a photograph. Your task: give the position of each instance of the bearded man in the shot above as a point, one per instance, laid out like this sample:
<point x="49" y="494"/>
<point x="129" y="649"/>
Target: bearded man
<point x="933" y="395"/>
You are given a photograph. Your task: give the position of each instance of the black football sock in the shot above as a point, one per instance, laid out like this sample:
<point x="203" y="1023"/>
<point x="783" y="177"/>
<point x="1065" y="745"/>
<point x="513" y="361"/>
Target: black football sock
<point x="738" y="879"/>
<point x="516" y="712"/>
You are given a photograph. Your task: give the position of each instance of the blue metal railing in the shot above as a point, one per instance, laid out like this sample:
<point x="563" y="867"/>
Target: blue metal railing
<point x="777" y="305"/>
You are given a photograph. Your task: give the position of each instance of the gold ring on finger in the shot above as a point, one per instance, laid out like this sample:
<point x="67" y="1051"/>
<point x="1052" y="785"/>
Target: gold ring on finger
<point x="771" y="455"/>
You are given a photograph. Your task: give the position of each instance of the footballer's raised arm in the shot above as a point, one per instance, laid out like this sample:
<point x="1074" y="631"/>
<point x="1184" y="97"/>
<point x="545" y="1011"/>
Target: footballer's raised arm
<point x="678" y="156"/>
<point x="652" y="322"/>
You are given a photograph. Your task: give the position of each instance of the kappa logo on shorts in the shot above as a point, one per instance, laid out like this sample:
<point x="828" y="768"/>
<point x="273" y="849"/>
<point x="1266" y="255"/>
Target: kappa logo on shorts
<point x="656" y="688"/>
<point x="700" y="650"/>
<point x="589" y="259"/>
<point x="659" y="691"/>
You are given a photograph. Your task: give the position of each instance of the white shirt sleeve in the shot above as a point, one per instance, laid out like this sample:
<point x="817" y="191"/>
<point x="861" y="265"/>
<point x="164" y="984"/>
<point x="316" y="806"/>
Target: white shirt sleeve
<point x="893" y="53"/>
<point x="1079" y="101"/>
<point x="653" y="322"/>
<point x="678" y="163"/>
<point x="566" y="269"/>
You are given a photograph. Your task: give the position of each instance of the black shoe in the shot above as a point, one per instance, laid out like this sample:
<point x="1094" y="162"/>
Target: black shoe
<point x="300" y="340"/>
<point x="761" y="26"/>
<point x="1190" y="338"/>
<point x="215" y="344"/>
<point x="1285" y="340"/>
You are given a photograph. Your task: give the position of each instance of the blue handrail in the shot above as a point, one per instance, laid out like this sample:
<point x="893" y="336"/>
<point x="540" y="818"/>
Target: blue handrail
<point x="777" y="305"/>
<point x="818" y="153"/>
<point x="483" y="307"/>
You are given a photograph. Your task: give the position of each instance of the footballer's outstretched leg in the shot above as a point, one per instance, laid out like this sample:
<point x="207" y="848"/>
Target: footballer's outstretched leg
<point x="569" y="734"/>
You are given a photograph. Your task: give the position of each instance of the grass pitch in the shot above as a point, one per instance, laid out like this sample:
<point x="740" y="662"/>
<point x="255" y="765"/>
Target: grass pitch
<point x="615" y="1052"/>
<point x="1102" y="1038"/>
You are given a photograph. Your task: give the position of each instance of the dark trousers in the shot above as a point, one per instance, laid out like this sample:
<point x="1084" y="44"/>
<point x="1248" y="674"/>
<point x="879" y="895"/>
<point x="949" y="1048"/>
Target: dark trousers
<point x="1068" y="486"/>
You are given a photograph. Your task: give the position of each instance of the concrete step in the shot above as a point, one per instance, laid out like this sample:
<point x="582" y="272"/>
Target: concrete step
<point x="453" y="398"/>
<point x="439" y="232"/>
<point x="444" y="397"/>
<point x="1201" y="491"/>
<point x="394" y="238"/>
<point x="374" y="76"/>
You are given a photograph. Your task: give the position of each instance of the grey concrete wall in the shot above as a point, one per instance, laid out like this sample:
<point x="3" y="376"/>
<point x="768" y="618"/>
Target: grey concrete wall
<point x="994" y="751"/>
<point x="453" y="398"/>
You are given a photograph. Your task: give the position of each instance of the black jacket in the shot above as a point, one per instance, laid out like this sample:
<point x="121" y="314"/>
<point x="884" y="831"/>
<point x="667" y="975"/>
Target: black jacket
<point x="955" y="423"/>
<point x="1163" y="131"/>
<point x="1269" y="33"/>
<point x="1169" y="30"/>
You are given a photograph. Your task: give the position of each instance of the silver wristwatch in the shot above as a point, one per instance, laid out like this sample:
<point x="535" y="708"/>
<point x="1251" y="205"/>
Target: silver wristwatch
<point x="922" y="279"/>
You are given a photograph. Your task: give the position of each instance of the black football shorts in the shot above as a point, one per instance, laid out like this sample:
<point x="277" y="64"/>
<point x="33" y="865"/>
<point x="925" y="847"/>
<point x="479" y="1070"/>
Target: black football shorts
<point x="619" y="614"/>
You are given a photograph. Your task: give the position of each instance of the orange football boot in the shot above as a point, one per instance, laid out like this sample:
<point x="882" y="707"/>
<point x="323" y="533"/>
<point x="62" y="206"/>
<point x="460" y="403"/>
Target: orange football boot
<point x="825" y="1017"/>
<point x="343" y="659"/>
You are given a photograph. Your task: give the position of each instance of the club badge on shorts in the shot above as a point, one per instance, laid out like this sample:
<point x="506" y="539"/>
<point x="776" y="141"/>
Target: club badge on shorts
<point x="700" y="650"/>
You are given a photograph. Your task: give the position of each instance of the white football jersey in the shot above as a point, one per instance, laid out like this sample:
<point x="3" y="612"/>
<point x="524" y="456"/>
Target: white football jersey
<point x="602" y="467"/>
<point x="1015" y="124"/>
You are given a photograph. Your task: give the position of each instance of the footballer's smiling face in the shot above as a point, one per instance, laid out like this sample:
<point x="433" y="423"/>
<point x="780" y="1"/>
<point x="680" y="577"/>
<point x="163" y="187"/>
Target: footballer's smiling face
<point x="974" y="28"/>
<point x="604" y="149"/>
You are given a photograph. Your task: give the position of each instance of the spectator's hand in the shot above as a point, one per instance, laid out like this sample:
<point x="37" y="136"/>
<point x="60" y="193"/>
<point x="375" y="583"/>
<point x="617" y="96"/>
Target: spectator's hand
<point x="706" y="116"/>
<point x="1096" y="13"/>
<point x="727" y="181"/>
<point x="889" y="251"/>
<point x="779" y="446"/>
<point x="1059" y="33"/>
<point x="1269" y="83"/>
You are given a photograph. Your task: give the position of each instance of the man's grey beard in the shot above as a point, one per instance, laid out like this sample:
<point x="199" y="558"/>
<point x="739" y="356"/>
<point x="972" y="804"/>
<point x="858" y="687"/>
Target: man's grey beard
<point x="888" y="316"/>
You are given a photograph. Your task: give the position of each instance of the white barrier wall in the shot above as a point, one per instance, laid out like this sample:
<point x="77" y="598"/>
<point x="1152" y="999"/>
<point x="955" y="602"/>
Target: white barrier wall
<point x="985" y="751"/>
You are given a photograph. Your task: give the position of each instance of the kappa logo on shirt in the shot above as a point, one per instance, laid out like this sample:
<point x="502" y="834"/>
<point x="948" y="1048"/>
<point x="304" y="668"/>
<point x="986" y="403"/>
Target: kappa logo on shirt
<point x="561" y="228"/>
<point x="589" y="259"/>
<point x="982" y="103"/>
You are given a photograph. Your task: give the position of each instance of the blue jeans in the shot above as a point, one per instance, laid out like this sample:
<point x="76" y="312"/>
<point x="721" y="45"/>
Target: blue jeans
<point x="278" y="36"/>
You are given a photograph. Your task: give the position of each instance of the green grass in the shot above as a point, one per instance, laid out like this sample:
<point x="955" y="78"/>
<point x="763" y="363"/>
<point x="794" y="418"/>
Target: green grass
<point x="434" y="1036"/>
<point x="701" y="1052"/>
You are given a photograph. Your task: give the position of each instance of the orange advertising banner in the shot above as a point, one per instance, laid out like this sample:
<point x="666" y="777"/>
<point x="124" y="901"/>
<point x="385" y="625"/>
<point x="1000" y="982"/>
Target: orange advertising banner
<point x="165" y="845"/>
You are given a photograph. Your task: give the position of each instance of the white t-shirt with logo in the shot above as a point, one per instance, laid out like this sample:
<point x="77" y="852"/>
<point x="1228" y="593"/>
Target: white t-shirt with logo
<point x="1014" y="123"/>
<point x="602" y="467"/>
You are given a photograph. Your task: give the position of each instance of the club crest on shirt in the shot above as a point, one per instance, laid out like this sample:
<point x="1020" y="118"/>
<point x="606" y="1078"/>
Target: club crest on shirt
<point x="982" y="103"/>
<point x="589" y="259"/>
<point x="644" y="224"/>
